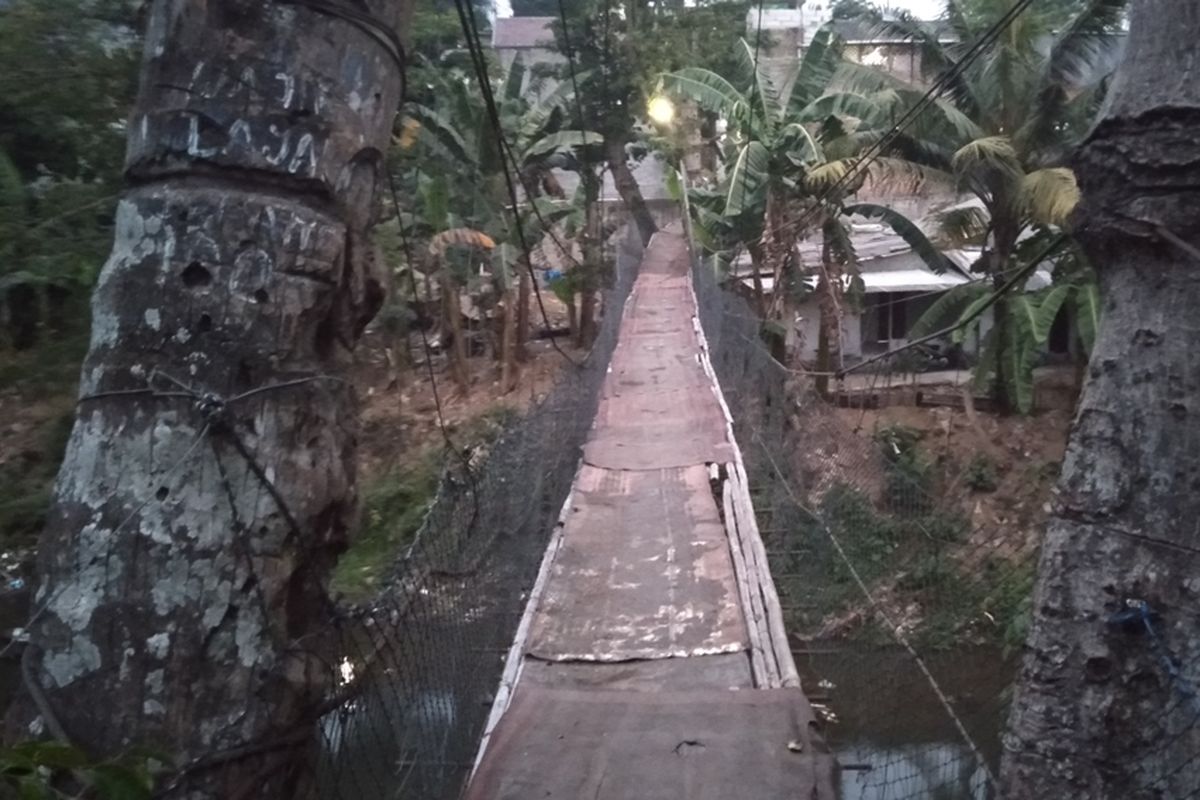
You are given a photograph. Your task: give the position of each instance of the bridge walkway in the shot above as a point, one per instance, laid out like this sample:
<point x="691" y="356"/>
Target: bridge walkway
<point x="652" y="661"/>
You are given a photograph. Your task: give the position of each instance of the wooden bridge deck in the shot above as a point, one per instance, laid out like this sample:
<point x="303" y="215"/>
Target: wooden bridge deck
<point x="652" y="661"/>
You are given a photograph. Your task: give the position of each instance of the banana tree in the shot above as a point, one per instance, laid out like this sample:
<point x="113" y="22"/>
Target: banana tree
<point x="457" y="135"/>
<point x="1028" y="100"/>
<point x="790" y="167"/>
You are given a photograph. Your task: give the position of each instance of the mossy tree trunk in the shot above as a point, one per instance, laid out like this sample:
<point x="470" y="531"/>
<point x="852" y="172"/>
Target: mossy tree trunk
<point x="209" y="483"/>
<point x="1097" y="713"/>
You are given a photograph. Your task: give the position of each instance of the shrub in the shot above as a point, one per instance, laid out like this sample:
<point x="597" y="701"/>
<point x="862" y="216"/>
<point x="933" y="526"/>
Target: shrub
<point x="980" y="474"/>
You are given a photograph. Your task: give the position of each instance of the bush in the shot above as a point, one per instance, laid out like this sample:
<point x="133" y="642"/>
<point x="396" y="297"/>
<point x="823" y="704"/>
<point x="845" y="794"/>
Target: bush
<point x="909" y="486"/>
<point x="980" y="474"/>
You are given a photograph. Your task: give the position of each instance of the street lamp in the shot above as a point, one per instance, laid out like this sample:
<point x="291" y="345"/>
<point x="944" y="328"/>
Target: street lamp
<point x="661" y="110"/>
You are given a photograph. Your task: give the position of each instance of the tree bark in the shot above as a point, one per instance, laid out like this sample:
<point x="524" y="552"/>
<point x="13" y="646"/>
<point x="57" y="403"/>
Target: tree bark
<point x="209" y="482"/>
<point x="452" y="322"/>
<point x="24" y="315"/>
<point x="592" y="264"/>
<point x="1097" y="713"/>
<point x="508" y="344"/>
<point x="627" y="187"/>
<point x="830" y="296"/>
<point x="778" y="242"/>
<point x="757" y="261"/>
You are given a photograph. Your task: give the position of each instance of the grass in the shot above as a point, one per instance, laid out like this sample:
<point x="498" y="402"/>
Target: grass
<point x="47" y="375"/>
<point x="394" y="504"/>
<point x="907" y="542"/>
<point x="980" y="474"/>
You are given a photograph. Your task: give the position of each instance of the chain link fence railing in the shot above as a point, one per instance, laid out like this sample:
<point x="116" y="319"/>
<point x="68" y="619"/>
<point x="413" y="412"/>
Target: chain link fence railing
<point x="906" y="617"/>
<point x="421" y="664"/>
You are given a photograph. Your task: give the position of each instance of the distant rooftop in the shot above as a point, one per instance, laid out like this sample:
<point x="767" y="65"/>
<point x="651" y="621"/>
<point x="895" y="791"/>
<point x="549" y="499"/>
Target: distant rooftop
<point x="523" y="33"/>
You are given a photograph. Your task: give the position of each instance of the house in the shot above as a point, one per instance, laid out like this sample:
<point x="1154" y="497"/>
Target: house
<point x="897" y="288"/>
<point x="787" y="32"/>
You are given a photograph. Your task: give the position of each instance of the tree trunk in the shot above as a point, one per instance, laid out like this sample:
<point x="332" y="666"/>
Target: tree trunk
<point x="24" y="315"/>
<point x="1001" y="396"/>
<point x="778" y="241"/>
<point x="508" y="344"/>
<point x="524" y="296"/>
<point x="572" y="317"/>
<point x="452" y="322"/>
<point x="1097" y="713"/>
<point x="829" y="299"/>
<point x="209" y="483"/>
<point x="590" y="279"/>
<point x="757" y="262"/>
<point x="627" y="187"/>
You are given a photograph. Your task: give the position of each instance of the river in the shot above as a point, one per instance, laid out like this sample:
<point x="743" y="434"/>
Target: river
<point x="894" y="738"/>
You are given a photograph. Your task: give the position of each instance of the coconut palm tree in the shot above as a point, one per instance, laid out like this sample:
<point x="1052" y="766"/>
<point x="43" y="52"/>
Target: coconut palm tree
<point x="1028" y="98"/>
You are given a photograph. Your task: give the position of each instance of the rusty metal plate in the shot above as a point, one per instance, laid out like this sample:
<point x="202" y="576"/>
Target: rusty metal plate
<point x="614" y="745"/>
<point x="658" y="446"/>
<point x="643" y="572"/>
<point x="718" y="672"/>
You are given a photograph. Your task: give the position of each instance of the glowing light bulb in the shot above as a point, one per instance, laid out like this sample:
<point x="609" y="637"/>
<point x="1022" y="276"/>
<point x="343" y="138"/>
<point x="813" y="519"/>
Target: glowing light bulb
<point x="661" y="110"/>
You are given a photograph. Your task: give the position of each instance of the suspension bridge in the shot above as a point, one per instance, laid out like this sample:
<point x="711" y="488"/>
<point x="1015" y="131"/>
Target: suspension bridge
<point x="651" y="660"/>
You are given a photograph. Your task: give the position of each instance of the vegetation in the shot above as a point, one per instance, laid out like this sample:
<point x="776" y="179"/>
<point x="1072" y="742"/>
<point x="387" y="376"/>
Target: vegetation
<point x="1024" y="103"/>
<point x="51" y="770"/>
<point x="980" y="474"/>
<point x="791" y="156"/>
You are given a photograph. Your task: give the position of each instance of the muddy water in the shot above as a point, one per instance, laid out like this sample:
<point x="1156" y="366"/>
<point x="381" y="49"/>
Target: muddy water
<point x="893" y="737"/>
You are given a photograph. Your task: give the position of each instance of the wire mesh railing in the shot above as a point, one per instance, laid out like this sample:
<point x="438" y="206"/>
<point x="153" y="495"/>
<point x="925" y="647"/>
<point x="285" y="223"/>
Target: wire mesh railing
<point x="906" y="617"/>
<point x="421" y="664"/>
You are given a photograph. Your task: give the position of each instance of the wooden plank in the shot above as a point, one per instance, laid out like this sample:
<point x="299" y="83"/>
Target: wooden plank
<point x="754" y="627"/>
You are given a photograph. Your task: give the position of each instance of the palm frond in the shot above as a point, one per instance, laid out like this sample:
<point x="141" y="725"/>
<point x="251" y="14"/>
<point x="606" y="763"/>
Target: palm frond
<point x="1048" y="196"/>
<point x="562" y="140"/>
<point x="704" y="87"/>
<point x="823" y="177"/>
<point x="964" y="226"/>
<point x="907" y="230"/>
<point x="747" y="178"/>
<point x="1081" y="46"/>
<point x="906" y="177"/>
<point x="816" y="70"/>
<point x="989" y="155"/>
<point x="947" y="309"/>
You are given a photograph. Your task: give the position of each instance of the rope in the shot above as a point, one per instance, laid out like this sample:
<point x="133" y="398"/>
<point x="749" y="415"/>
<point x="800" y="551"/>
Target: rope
<point x="1140" y="616"/>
